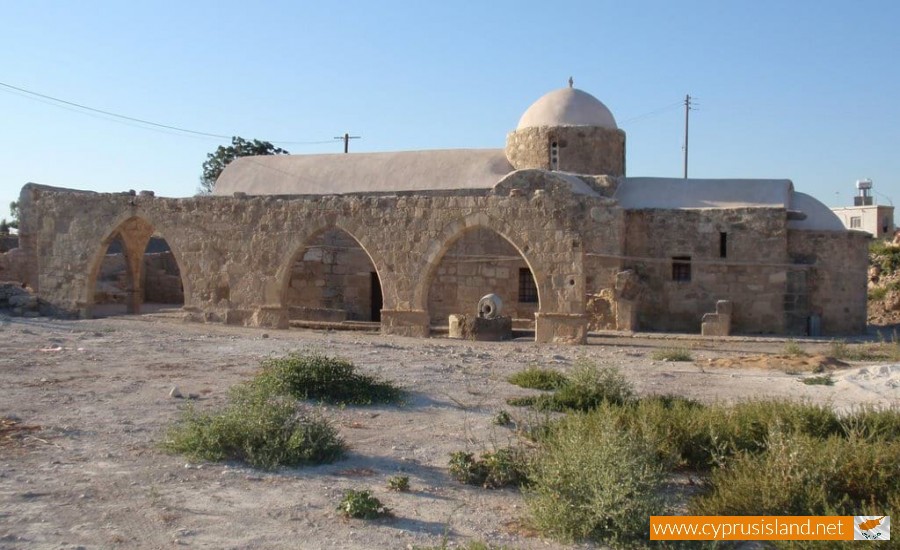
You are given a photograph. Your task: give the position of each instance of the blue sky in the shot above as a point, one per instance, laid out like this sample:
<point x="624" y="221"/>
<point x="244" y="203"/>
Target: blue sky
<point x="805" y="90"/>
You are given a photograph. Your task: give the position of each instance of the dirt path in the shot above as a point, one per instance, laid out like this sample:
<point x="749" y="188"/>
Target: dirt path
<point x="92" y="476"/>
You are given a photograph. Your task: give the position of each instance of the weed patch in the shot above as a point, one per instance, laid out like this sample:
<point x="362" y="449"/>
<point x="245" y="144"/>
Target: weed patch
<point x="586" y="388"/>
<point x="262" y="430"/>
<point x="538" y="379"/>
<point x="823" y="380"/>
<point x="672" y="354"/>
<point x="875" y="351"/>
<point x="793" y="349"/>
<point x="502" y="418"/>
<point x="501" y="468"/>
<point x="362" y="505"/>
<point x="322" y="378"/>
<point x="398" y="483"/>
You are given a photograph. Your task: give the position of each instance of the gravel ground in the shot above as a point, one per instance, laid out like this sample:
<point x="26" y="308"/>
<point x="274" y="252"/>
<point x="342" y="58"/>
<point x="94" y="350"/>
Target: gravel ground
<point x="82" y="466"/>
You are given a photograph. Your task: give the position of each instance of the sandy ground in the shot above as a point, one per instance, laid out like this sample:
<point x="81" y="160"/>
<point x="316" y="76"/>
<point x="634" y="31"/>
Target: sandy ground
<point x="91" y="398"/>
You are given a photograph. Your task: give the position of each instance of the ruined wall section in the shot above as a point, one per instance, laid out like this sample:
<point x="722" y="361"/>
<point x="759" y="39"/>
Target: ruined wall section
<point x="604" y="243"/>
<point x="829" y="281"/>
<point x="752" y="274"/>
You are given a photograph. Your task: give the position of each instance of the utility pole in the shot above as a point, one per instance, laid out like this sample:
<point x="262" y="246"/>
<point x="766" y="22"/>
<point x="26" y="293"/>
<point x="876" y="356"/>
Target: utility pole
<point x="687" y="111"/>
<point x="347" y="138"/>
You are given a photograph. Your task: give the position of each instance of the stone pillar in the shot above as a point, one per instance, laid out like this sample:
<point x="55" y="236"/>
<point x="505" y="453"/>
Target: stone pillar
<point x="415" y="323"/>
<point x="134" y="262"/>
<point x="627" y="300"/>
<point x="560" y="328"/>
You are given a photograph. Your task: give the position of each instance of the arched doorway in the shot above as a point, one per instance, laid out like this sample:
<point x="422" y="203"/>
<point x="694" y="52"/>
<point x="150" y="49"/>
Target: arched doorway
<point x="136" y="273"/>
<point x="333" y="280"/>
<point x="481" y="261"/>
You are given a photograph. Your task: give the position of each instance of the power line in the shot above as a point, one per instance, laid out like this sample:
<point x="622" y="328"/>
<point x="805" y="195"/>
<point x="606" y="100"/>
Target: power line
<point x="651" y="113"/>
<point x="62" y="102"/>
<point x="108" y="113"/>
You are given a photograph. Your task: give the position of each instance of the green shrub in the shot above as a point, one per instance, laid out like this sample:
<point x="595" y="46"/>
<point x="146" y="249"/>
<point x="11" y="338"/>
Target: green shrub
<point x="398" y="483"/>
<point x="804" y="475"/>
<point x="877" y="294"/>
<point x="591" y="479"/>
<point x="876" y="351"/>
<point x="884" y="254"/>
<point x="502" y="468"/>
<point x="586" y="388"/>
<point x="672" y="354"/>
<point x="362" y="505"/>
<point x="262" y="430"/>
<point x="319" y="377"/>
<point x="502" y="418"/>
<point x="526" y="401"/>
<point x="824" y="380"/>
<point x="538" y="379"/>
<point x="687" y="434"/>
<point x="871" y="424"/>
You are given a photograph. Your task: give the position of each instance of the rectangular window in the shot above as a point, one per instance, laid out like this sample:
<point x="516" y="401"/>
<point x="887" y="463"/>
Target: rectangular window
<point x="855" y="222"/>
<point x="723" y="244"/>
<point x="527" y="288"/>
<point x="681" y="268"/>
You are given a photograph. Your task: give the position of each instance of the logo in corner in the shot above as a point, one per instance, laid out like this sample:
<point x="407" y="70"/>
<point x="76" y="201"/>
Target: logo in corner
<point x="871" y="527"/>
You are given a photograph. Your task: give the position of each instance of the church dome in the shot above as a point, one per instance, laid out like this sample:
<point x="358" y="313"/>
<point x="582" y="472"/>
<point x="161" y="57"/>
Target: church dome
<point x="567" y="107"/>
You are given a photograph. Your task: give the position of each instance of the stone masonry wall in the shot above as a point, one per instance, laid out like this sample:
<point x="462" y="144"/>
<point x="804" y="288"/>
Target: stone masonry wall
<point x="236" y="254"/>
<point x="752" y="275"/>
<point x="835" y="283"/>
<point x="580" y="149"/>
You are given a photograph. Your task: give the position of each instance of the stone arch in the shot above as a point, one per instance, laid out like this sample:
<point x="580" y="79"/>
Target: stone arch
<point x="456" y="231"/>
<point x="301" y="247"/>
<point x="134" y="231"/>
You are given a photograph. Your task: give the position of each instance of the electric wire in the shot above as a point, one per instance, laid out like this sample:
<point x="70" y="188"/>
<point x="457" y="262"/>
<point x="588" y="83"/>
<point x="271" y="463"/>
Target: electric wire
<point x="92" y="111"/>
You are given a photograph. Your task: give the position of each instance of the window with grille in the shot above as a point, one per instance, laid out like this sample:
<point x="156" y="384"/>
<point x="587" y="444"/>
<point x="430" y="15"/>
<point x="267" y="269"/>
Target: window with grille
<point x="527" y="288"/>
<point x="681" y="268"/>
<point x="855" y="222"/>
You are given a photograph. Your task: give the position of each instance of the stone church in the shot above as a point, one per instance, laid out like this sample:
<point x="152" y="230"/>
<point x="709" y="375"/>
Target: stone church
<point x="551" y="224"/>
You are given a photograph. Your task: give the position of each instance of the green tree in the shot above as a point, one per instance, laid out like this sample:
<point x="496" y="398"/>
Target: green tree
<point x="240" y="147"/>
<point x="13" y="215"/>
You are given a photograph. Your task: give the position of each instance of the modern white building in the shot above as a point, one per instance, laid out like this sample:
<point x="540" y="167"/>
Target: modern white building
<point x="865" y="215"/>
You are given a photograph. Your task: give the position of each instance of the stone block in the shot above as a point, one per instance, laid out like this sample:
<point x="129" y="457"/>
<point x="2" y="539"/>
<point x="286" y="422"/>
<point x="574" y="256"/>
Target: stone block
<point x="470" y="327"/>
<point x="560" y="328"/>
<point x="412" y="323"/>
